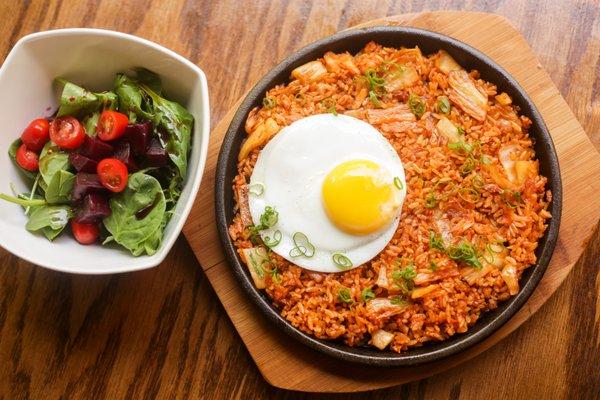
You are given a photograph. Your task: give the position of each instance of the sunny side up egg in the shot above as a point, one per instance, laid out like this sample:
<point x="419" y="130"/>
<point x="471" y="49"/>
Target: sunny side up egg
<point x="332" y="188"/>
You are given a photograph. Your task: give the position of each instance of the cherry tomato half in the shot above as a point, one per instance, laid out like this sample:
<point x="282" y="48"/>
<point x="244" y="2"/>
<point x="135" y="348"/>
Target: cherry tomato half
<point x="35" y="135"/>
<point x="27" y="159"/>
<point x="112" y="174"/>
<point x="85" y="233"/>
<point x="111" y="125"/>
<point x="67" y="132"/>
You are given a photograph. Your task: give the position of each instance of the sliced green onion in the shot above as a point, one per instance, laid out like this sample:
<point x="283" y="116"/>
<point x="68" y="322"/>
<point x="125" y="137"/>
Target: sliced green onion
<point x="461" y="147"/>
<point x="274" y="272"/>
<point x="269" y="103"/>
<point x="469" y="195"/>
<point x="477" y="182"/>
<point x="444" y="105"/>
<point x="256" y="189"/>
<point x="431" y="200"/>
<point x="345" y="295"/>
<point x="274" y="241"/>
<point x="373" y="81"/>
<point x="398" y="183"/>
<point x="302" y="246"/>
<point x="399" y="301"/>
<point x="268" y="218"/>
<point x="416" y="105"/>
<point x="436" y="241"/>
<point x="330" y="105"/>
<point x="367" y="294"/>
<point x="374" y="99"/>
<point x="341" y="261"/>
<point x="466" y="253"/>
<point x="300" y="98"/>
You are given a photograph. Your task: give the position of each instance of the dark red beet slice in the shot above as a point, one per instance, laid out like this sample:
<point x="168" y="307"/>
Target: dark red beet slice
<point x="155" y="154"/>
<point x="124" y="154"/>
<point x="137" y="135"/>
<point x="82" y="163"/>
<point x="93" y="208"/>
<point x="84" y="184"/>
<point x="95" y="148"/>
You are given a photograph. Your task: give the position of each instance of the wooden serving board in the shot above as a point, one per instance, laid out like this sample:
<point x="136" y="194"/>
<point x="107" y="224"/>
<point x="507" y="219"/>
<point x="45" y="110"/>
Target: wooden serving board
<point x="287" y="364"/>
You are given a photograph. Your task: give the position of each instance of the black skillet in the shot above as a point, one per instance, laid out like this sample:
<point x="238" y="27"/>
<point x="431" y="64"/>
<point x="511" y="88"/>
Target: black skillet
<point x="428" y="42"/>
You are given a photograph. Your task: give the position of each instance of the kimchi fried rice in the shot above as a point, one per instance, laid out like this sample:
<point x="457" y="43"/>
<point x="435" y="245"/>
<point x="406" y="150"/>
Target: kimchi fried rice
<point x="475" y="207"/>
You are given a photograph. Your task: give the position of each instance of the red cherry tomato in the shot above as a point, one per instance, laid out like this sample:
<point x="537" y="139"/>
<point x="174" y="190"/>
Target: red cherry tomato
<point x="112" y="174"/>
<point x="111" y="125"/>
<point x="85" y="233"/>
<point x="35" y="135"/>
<point x="27" y="159"/>
<point x="67" y="132"/>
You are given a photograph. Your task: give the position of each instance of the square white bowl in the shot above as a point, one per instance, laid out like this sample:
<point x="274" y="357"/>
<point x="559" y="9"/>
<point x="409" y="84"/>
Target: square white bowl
<point x="90" y="58"/>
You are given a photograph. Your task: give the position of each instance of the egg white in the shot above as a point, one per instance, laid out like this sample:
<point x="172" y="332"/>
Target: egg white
<point x="292" y="168"/>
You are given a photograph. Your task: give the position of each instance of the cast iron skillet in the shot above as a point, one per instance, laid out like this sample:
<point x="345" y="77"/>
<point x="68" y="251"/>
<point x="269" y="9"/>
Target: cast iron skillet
<point x="429" y="42"/>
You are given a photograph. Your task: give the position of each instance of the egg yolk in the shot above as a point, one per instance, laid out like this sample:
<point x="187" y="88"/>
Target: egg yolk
<point x="359" y="197"/>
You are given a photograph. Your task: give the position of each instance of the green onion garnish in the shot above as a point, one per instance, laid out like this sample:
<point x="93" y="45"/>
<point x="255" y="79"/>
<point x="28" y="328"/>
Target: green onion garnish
<point x="416" y="105"/>
<point x="477" y="182"/>
<point x="461" y="147"/>
<point x="432" y="265"/>
<point x="345" y="296"/>
<point x="269" y="217"/>
<point x="444" y="105"/>
<point x="431" y="200"/>
<point x="330" y="105"/>
<point x="274" y="272"/>
<point x="398" y="183"/>
<point x="274" y="241"/>
<point x="407" y="274"/>
<point x="374" y="99"/>
<point x="466" y="253"/>
<point x="269" y="103"/>
<point x="436" y="241"/>
<point x="367" y="294"/>
<point x="399" y="301"/>
<point x="256" y="189"/>
<point x="376" y="85"/>
<point x="469" y="195"/>
<point x="341" y="261"/>
<point x="303" y="247"/>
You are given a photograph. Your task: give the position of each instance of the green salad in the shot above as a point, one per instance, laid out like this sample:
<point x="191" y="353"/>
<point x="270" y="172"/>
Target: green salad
<point x="111" y="165"/>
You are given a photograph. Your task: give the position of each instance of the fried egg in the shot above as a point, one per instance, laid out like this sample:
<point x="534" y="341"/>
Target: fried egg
<point x="329" y="189"/>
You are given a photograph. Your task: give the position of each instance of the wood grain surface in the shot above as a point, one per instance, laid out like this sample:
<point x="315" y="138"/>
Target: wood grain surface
<point x="163" y="334"/>
<point x="289" y="365"/>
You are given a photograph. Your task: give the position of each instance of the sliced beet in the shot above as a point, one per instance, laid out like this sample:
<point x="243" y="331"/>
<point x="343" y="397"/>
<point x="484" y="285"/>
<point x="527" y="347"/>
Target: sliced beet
<point x="95" y="148"/>
<point x="93" y="208"/>
<point x="124" y="154"/>
<point x="82" y="163"/>
<point x="137" y="135"/>
<point x="85" y="184"/>
<point x="156" y="154"/>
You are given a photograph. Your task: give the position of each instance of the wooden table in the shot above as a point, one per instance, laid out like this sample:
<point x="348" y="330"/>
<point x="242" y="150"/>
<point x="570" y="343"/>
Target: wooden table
<point x="162" y="334"/>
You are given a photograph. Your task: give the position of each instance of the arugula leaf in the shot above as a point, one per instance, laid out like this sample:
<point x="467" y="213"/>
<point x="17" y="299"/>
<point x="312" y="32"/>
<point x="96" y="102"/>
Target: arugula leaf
<point x="131" y="99"/>
<point x="12" y="154"/>
<point x="177" y="122"/>
<point x="78" y="101"/>
<point x="60" y="187"/>
<point x="149" y="79"/>
<point x="138" y="215"/>
<point x="52" y="160"/>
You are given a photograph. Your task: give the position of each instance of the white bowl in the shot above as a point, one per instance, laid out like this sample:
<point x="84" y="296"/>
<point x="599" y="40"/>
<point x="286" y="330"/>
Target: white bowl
<point x="91" y="58"/>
